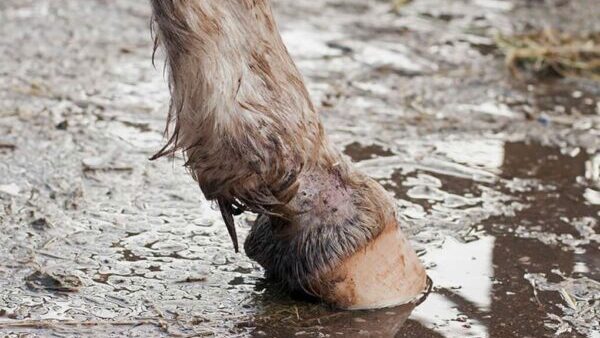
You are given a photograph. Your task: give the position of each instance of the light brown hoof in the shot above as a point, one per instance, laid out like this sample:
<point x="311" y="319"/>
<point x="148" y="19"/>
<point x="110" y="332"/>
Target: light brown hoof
<point x="386" y="273"/>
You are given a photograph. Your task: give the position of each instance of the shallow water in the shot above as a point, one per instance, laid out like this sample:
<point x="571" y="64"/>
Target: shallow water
<point x="497" y="180"/>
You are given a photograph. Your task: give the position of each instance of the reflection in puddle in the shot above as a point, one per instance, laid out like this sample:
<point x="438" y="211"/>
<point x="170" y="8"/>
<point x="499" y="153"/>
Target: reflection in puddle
<point x="444" y="317"/>
<point x="463" y="270"/>
<point x="317" y="321"/>
<point x="481" y="288"/>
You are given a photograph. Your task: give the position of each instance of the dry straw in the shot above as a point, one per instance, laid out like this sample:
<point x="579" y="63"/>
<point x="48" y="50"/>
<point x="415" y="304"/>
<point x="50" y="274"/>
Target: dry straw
<point x="549" y="50"/>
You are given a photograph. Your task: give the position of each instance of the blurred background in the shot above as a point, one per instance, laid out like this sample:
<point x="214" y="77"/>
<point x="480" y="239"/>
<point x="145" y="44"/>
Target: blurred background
<point x="482" y="117"/>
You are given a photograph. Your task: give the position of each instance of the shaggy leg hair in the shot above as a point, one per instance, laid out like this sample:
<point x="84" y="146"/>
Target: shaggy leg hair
<point x="335" y="221"/>
<point x="253" y="140"/>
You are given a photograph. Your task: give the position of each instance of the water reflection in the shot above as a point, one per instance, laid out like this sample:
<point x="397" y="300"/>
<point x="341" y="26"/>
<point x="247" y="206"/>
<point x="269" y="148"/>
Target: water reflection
<point x="279" y="314"/>
<point x="380" y="323"/>
<point x="464" y="271"/>
<point x="480" y="284"/>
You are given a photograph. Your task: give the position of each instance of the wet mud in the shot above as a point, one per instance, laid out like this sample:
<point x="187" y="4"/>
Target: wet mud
<point x="496" y="178"/>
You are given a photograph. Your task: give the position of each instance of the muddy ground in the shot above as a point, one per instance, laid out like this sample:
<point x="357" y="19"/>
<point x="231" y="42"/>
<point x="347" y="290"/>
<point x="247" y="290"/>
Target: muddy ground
<point x="497" y="178"/>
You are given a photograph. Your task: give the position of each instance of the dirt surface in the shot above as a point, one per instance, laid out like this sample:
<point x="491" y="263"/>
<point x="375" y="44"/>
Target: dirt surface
<point x="497" y="179"/>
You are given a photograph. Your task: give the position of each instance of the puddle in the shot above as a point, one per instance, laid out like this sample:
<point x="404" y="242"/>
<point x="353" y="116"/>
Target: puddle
<point x="497" y="182"/>
<point x="359" y="152"/>
<point x="481" y="284"/>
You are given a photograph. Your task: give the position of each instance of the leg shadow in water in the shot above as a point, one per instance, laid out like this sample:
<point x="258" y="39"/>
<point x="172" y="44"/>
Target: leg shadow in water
<point x="279" y="314"/>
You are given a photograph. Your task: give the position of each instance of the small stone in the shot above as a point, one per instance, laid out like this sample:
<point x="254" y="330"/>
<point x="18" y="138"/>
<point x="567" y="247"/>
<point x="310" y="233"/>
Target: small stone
<point x="62" y="125"/>
<point x="40" y="224"/>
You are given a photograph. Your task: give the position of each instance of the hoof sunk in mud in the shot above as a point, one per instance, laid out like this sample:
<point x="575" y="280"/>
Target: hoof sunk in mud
<point x="356" y="258"/>
<point x="253" y="140"/>
<point x="386" y="272"/>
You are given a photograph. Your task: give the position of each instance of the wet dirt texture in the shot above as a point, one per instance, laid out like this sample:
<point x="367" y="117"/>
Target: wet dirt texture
<point x="497" y="179"/>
